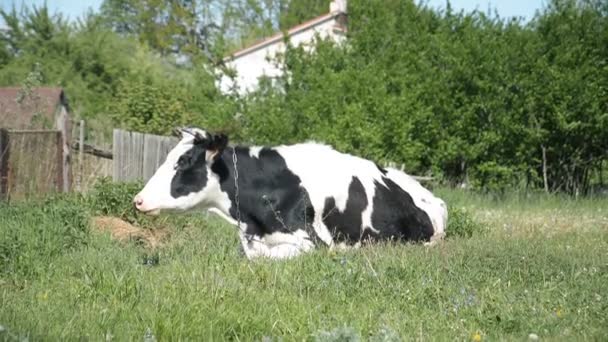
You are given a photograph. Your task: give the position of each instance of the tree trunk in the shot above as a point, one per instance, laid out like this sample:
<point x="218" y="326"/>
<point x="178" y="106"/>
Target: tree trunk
<point x="545" y="181"/>
<point x="601" y="174"/>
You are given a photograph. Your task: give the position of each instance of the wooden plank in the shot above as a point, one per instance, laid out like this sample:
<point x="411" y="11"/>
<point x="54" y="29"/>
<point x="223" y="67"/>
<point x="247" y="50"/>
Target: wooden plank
<point x="124" y="162"/>
<point x="151" y="143"/>
<point x="35" y="165"/>
<point x="158" y="154"/>
<point x="138" y="156"/>
<point x="145" y="142"/>
<point x="125" y="151"/>
<point x="30" y="131"/>
<point x="126" y="155"/>
<point x="81" y="155"/>
<point x="92" y="150"/>
<point x="4" y="158"/>
<point x="116" y="152"/>
<point x="60" y="175"/>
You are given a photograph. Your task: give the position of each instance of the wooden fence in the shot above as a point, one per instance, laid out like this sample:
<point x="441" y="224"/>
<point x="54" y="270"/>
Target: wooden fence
<point x="31" y="163"/>
<point x="94" y="160"/>
<point x="138" y="155"/>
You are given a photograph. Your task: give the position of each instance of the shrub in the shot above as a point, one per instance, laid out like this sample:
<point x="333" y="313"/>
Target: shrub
<point x="493" y="178"/>
<point x="462" y="224"/>
<point x="114" y="199"/>
<point x="110" y="198"/>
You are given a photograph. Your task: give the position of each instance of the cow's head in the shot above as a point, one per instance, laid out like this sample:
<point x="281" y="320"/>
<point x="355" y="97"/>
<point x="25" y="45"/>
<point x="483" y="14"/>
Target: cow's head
<point x="185" y="179"/>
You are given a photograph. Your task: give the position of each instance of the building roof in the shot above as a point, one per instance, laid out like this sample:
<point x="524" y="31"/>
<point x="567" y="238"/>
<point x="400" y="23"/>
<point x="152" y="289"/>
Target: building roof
<point x="279" y="35"/>
<point x="33" y="110"/>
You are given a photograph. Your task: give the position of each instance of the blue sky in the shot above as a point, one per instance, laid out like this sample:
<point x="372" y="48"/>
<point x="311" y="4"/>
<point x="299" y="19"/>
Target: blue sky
<point x="506" y="8"/>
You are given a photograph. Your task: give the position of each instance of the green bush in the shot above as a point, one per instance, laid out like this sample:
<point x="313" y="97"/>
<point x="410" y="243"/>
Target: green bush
<point x="33" y="234"/>
<point x="462" y="224"/>
<point x="493" y="178"/>
<point x="467" y="97"/>
<point x="115" y="199"/>
<point x="464" y="96"/>
<point x="108" y="198"/>
<point x="146" y="107"/>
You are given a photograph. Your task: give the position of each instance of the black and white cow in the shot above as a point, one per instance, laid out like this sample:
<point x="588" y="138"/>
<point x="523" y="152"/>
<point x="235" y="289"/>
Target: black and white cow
<point x="293" y="198"/>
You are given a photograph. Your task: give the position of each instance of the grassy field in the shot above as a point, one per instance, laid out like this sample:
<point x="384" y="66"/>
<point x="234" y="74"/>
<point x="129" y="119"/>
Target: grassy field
<point x="539" y="267"/>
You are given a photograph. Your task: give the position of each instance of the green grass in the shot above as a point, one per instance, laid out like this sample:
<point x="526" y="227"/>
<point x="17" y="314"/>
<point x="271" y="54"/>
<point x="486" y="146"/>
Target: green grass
<point x="540" y="266"/>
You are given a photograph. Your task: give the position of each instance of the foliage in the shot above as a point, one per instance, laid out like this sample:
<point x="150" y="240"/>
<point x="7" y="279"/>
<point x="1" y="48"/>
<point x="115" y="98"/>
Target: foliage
<point x="84" y="58"/>
<point x="144" y="107"/>
<point x="294" y="12"/>
<point x="469" y="98"/>
<point x="108" y="198"/>
<point x="462" y="224"/>
<point x="179" y="29"/>
<point x="114" y="199"/>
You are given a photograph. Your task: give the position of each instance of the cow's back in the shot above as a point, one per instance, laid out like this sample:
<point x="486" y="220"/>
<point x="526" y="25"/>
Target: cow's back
<point x="354" y="198"/>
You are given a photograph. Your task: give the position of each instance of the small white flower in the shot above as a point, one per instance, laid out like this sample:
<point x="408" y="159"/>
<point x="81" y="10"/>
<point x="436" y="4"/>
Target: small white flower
<point x="533" y="337"/>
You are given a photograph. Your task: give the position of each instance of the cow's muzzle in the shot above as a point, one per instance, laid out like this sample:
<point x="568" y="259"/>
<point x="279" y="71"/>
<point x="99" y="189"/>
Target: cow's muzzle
<point x="140" y="205"/>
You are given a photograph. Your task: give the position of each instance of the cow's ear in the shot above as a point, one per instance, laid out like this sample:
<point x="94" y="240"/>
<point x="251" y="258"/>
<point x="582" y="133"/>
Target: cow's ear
<point x="177" y="132"/>
<point x="217" y="144"/>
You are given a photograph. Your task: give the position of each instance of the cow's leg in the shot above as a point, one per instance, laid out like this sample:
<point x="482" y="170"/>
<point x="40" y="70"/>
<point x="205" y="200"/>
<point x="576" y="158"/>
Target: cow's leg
<point x="321" y="229"/>
<point x="435" y="239"/>
<point x="257" y="248"/>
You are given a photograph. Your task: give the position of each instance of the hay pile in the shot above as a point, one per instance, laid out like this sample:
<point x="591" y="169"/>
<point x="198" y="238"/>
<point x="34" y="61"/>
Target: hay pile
<point x="123" y="231"/>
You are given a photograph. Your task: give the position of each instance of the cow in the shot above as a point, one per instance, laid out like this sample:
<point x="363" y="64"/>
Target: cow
<point x="288" y="199"/>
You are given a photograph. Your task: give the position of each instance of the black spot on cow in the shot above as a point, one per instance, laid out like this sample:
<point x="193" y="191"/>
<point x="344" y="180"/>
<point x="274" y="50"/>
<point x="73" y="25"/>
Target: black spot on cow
<point x="191" y="170"/>
<point x="191" y="173"/>
<point x="270" y="195"/>
<point x="346" y="226"/>
<point x="396" y="216"/>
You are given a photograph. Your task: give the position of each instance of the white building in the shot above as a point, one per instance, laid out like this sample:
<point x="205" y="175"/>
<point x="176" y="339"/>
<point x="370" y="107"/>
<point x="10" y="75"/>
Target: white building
<point x="256" y="61"/>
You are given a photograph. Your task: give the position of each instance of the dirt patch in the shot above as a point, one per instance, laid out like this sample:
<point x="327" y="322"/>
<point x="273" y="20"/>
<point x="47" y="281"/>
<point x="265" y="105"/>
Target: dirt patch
<point x="123" y="231"/>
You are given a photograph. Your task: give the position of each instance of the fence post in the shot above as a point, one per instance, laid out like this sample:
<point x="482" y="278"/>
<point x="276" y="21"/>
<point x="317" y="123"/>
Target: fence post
<point x="4" y="159"/>
<point x="60" y="176"/>
<point x="80" y="155"/>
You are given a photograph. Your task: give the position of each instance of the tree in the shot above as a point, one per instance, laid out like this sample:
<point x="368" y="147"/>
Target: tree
<point x="294" y="12"/>
<point x="183" y="29"/>
<point x="468" y="97"/>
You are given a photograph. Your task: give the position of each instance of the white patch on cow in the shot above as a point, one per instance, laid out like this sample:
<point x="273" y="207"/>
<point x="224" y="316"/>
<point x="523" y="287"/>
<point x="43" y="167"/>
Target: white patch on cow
<point x="423" y="199"/>
<point x="254" y="151"/>
<point x="276" y="245"/>
<point x="227" y="218"/>
<point x="320" y="228"/>
<point x="366" y="215"/>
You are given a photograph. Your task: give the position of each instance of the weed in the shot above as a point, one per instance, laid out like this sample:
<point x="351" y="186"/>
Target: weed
<point x="462" y="224"/>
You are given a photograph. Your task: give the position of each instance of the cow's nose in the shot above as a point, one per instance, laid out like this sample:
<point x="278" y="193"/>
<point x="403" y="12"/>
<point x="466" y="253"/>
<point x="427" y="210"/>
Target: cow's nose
<point x="138" y="201"/>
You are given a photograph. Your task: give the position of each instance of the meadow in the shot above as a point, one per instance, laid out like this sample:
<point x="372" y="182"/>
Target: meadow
<point x="518" y="267"/>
